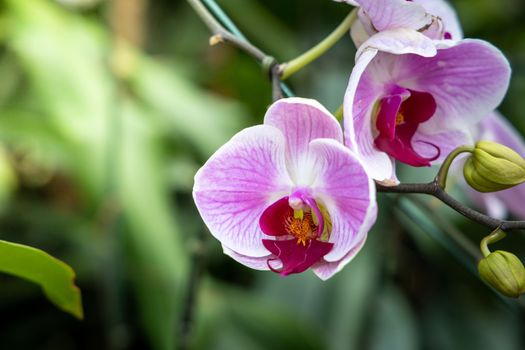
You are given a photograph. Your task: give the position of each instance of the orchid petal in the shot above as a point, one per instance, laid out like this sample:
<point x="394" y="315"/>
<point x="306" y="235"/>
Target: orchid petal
<point x="498" y="129"/>
<point x="238" y="182"/>
<point x="301" y="121"/>
<point x="257" y="263"/>
<point x="358" y="106"/>
<point x="389" y="14"/>
<point x="487" y="202"/>
<point x="350" y="2"/>
<point x="467" y="79"/>
<point x="400" y="41"/>
<point x="425" y="145"/>
<point x="344" y="188"/>
<point x="442" y="10"/>
<point x="361" y="30"/>
<point x="512" y="199"/>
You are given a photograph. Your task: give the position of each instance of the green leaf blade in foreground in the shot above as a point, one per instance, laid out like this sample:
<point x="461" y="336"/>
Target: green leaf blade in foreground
<point x="54" y="277"/>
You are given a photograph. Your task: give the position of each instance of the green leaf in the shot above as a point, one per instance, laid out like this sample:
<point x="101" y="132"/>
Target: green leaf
<point x="55" y="277"/>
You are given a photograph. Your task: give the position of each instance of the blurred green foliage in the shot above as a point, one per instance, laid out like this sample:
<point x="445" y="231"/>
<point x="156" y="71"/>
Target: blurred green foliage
<point x="97" y="169"/>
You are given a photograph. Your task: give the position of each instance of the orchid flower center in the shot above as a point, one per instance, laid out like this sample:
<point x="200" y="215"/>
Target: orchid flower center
<point x="301" y="228"/>
<point x="396" y="121"/>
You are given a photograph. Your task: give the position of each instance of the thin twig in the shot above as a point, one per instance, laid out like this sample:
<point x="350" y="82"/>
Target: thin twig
<point x="277" y="92"/>
<point x="433" y="189"/>
<point x="221" y="34"/>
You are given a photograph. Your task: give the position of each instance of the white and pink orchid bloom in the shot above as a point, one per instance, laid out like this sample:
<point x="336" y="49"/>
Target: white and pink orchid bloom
<point x="413" y="92"/>
<point x="498" y="204"/>
<point x="288" y="195"/>
<point x="427" y="19"/>
<point x="408" y="104"/>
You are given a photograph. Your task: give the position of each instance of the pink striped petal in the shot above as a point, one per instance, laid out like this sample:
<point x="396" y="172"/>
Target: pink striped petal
<point x="390" y="14"/>
<point x="425" y="145"/>
<point x="301" y="121"/>
<point x="257" y="263"/>
<point x="400" y="41"/>
<point x="442" y="10"/>
<point x="237" y="183"/>
<point x="435" y="19"/>
<point x="468" y="80"/>
<point x="324" y="269"/>
<point x="344" y="188"/>
<point x="363" y="91"/>
<point x="498" y="129"/>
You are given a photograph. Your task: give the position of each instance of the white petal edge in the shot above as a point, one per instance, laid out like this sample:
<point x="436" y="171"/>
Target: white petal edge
<point x="400" y="41"/>
<point x="256" y="263"/>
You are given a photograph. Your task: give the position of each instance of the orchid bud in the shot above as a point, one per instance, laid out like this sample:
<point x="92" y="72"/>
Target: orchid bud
<point x="494" y="167"/>
<point x="504" y="272"/>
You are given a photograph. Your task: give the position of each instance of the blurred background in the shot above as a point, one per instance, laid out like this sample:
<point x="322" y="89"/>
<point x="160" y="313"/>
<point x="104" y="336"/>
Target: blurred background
<point x="108" y="108"/>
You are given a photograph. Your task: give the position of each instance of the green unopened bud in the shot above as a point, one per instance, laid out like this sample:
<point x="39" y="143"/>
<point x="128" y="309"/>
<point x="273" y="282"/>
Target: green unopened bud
<point x="494" y="167"/>
<point x="504" y="272"/>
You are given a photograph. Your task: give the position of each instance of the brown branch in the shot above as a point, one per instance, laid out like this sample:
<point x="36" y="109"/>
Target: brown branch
<point x="433" y="189"/>
<point x="221" y="34"/>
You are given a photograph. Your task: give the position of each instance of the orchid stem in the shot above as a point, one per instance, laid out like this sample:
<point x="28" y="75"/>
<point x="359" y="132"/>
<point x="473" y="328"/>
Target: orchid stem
<point x="433" y="189"/>
<point x="291" y="67"/>
<point x="495" y="236"/>
<point x="228" y="32"/>
<point x="441" y="177"/>
<point x="221" y="34"/>
<point x="338" y="114"/>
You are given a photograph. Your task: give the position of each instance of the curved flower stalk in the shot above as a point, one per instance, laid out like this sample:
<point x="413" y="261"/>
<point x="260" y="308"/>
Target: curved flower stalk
<point x="410" y="97"/>
<point x="498" y="204"/>
<point x="287" y="195"/>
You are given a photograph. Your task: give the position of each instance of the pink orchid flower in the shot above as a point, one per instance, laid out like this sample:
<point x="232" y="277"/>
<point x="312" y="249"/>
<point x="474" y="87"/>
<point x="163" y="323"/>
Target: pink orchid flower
<point x="427" y="19"/>
<point x="498" y="204"/>
<point x="288" y="195"/>
<point x="411" y="98"/>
